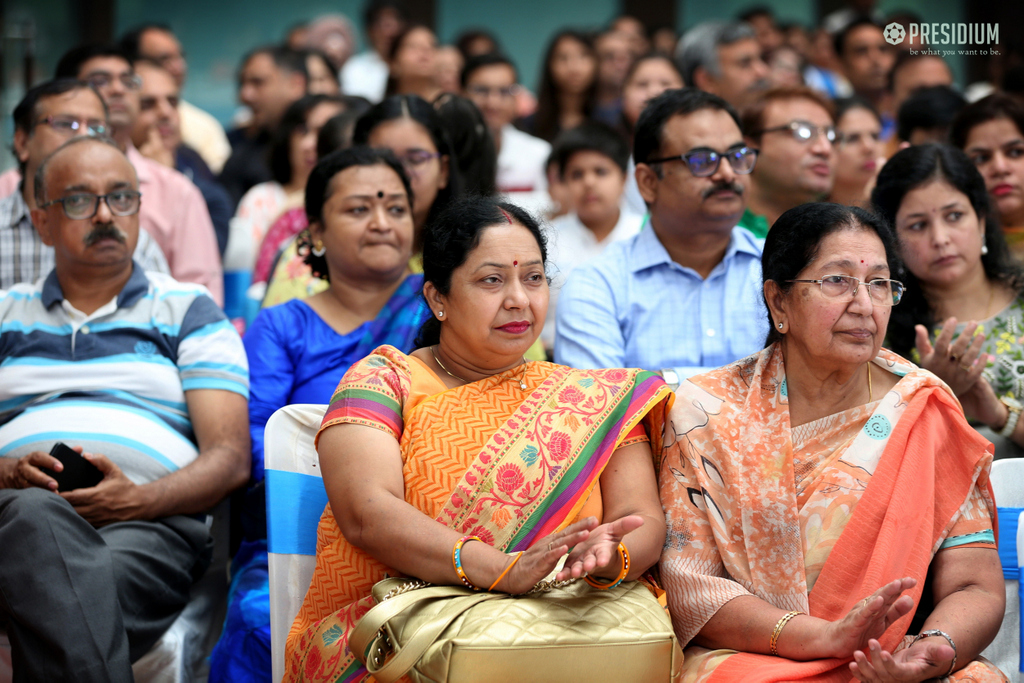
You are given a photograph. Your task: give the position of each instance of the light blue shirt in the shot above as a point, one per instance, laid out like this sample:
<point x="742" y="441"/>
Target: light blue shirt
<point x="634" y="307"/>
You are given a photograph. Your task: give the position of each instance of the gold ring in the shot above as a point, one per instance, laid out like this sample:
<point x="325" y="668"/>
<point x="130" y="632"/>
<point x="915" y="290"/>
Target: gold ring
<point x="965" y="368"/>
<point x="549" y="547"/>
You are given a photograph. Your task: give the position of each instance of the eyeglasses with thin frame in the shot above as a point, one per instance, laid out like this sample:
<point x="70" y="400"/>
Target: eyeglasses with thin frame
<point x="101" y="79"/>
<point x="83" y="205"/>
<point x="704" y="162"/>
<point x="802" y="131"/>
<point x="845" y="287"/>
<point x="70" y="126"/>
<point x="414" y="159"/>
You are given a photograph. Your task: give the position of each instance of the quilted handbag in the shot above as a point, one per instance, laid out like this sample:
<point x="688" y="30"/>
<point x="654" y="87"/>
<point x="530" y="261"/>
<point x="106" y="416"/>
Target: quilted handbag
<point x="558" y="632"/>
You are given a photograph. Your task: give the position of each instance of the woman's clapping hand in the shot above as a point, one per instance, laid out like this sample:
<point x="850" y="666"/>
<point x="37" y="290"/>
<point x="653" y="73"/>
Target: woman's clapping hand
<point x="868" y="619"/>
<point x="542" y="558"/>
<point x="924" y="660"/>
<point x="959" y="363"/>
<point x="600" y="550"/>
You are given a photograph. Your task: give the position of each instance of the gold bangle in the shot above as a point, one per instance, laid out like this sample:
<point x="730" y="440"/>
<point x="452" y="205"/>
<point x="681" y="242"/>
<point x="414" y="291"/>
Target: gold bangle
<point x="502" y="575"/>
<point x="774" y="642"/>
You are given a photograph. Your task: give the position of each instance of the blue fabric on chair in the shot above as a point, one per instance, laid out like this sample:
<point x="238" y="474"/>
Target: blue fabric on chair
<point x="296" y="502"/>
<point x="1007" y="518"/>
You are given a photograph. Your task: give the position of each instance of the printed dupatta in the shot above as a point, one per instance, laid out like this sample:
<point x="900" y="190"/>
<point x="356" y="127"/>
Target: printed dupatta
<point x="729" y="454"/>
<point x="399" y="321"/>
<point x="482" y="459"/>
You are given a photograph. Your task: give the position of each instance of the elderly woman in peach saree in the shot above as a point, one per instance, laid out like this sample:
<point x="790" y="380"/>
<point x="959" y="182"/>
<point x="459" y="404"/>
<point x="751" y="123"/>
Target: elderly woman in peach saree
<point x="812" y="488"/>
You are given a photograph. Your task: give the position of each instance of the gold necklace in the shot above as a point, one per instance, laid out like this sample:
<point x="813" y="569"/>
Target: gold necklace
<point x="870" y="392"/>
<point x="522" y="383"/>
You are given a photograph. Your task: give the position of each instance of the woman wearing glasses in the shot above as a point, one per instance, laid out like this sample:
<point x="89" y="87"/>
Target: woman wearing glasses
<point x="963" y="317"/>
<point x="858" y="150"/>
<point x="804" y="499"/>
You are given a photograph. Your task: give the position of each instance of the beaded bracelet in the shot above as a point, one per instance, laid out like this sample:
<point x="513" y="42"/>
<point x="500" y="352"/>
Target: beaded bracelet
<point x="457" y="559"/>
<point x="773" y="643"/>
<point x="618" y="579"/>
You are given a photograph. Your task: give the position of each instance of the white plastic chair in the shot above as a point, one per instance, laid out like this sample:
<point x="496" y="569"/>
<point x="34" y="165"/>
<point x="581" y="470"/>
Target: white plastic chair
<point x="1008" y="486"/>
<point x="295" y="500"/>
<point x="180" y="654"/>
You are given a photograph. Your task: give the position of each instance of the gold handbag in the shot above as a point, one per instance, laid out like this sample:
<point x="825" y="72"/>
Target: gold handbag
<point x="559" y="632"/>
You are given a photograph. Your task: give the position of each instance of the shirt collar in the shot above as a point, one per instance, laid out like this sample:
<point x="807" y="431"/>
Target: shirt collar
<point x="648" y="251"/>
<point x="19" y="209"/>
<point x="133" y="290"/>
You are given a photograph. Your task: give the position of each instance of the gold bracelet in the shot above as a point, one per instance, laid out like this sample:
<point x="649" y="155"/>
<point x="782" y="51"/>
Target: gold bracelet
<point x="774" y="642"/>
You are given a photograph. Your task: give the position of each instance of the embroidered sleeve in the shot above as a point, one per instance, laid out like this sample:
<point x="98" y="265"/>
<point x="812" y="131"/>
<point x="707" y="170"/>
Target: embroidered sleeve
<point x="372" y="393"/>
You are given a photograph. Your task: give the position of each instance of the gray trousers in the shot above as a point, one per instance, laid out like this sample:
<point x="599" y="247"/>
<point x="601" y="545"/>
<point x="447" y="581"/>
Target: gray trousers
<point x="82" y="604"/>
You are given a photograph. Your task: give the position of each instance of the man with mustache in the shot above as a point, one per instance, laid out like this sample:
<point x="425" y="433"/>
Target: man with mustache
<point x="683" y="295"/>
<point x="794" y="130"/>
<point x="49" y="115"/>
<point x="148" y="381"/>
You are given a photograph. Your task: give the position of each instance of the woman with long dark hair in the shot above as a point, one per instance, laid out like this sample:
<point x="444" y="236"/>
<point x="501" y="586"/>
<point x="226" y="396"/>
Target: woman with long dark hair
<point x="962" y="314"/>
<point x="568" y="85"/>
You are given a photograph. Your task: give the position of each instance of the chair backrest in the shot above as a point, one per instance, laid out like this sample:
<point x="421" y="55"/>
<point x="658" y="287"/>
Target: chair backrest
<point x="1008" y="486"/>
<point x="1008" y="482"/>
<point x="295" y="500"/>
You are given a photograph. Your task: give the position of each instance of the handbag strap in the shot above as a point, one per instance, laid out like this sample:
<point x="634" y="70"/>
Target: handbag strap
<point x="366" y="636"/>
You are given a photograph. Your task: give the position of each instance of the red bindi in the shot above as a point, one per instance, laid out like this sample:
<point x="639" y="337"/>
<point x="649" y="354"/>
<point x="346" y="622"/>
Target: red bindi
<point x="515" y="264"/>
<point x="862" y="261"/>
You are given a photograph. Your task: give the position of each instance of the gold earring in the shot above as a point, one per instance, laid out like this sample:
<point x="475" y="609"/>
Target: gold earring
<point x="319" y="249"/>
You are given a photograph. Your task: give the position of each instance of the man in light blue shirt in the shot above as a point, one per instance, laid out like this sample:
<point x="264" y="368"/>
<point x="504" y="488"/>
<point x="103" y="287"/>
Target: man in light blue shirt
<point x="684" y="295"/>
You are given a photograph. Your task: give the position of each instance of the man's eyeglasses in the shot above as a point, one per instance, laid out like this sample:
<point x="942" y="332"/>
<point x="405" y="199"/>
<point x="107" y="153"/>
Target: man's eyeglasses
<point x="414" y="159"/>
<point x="802" y="131"/>
<point x="69" y="125"/>
<point x="101" y="79"/>
<point x="83" y="205"/>
<point x="482" y="91"/>
<point x="844" y="288"/>
<point x="704" y="162"/>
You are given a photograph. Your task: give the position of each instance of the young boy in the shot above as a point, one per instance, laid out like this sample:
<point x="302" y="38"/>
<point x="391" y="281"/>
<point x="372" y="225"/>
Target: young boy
<point x="592" y="161"/>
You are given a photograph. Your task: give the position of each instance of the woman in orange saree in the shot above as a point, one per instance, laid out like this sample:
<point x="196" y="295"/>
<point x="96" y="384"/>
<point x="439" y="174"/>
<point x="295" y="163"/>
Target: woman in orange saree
<point x="812" y="488"/>
<point x="526" y="457"/>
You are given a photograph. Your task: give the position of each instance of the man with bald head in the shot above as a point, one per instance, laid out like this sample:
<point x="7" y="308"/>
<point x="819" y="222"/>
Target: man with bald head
<point x="145" y="379"/>
<point x="49" y="115"/>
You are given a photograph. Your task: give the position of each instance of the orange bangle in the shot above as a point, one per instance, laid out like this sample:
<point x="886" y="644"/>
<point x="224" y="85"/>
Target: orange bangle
<point x="618" y="579"/>
<point x="457" y="560"/>
<point x="502" y="575"/>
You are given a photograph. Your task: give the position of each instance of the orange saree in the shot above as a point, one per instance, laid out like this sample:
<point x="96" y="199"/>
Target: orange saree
<point x="817" y="517"/>
<point x="486" y="459"/>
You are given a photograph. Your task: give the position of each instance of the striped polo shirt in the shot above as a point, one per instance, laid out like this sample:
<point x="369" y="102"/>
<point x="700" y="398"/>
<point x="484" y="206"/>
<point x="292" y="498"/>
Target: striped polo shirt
<point x="113" y="381"/>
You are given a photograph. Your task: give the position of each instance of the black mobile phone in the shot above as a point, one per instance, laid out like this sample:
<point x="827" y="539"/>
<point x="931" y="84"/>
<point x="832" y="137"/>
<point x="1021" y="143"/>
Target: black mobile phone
<point x="78" y="473"/>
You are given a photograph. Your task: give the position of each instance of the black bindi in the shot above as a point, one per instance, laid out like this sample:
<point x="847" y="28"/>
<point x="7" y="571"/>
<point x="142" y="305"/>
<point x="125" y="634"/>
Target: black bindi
<point x="380" y="194"/>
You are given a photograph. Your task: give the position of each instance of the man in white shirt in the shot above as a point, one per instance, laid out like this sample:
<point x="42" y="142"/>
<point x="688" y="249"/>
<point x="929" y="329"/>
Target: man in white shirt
<point x="199" y="130"/>
<point x="366" y="74"/>
<point x="491" y="82"/>
<point x="591" y="161"/>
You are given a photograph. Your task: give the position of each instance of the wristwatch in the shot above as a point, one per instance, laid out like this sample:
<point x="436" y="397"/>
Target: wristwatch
<point x="1014" y="406"/>
<point x="671" y="378"/>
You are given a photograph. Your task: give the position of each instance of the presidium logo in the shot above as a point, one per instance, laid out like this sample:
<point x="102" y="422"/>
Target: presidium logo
<point x="946" y="34"/>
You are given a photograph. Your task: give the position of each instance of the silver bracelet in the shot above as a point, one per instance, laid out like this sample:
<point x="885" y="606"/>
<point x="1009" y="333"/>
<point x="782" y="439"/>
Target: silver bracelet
<point x="943" y="634"/>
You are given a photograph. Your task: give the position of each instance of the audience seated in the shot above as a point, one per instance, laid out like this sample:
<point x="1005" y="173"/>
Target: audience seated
<point x="820" y="491"/>
<point x="592" y="161"/>
<point x="491" y="81"/>
<point x="49" y="115"/>
<point x="157" y="136"/>
<point x="762" y="20"/>
<point x="199" y="130"/>
<point x="474" y="155"/>
<point x="360" y="241"/>
<point x="648" y="77"/>
<point x="146" y="379"/>
<point x="409" y="127"/>
<point x="867" y="59"/>
<point x="912" y="72"/>
<point x="858" y="151"/>
<point x="723" y="59"/>
<point x="173" y="213"/>
<point x="322" y="74"/>
<point x="793" y="130"/>
<point x="292" y="157"/>
<point x="991" y="132"/>
<point x="271" y="78"/>
<point x="962" y="316"/>
<point x="412" y="64"/>
<point x="366" y="74"/>
<point x="682" y="295"/>
<point x="568" y="86"/>
<point x="449" y="69"/>
<point x="926" y="116"/>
